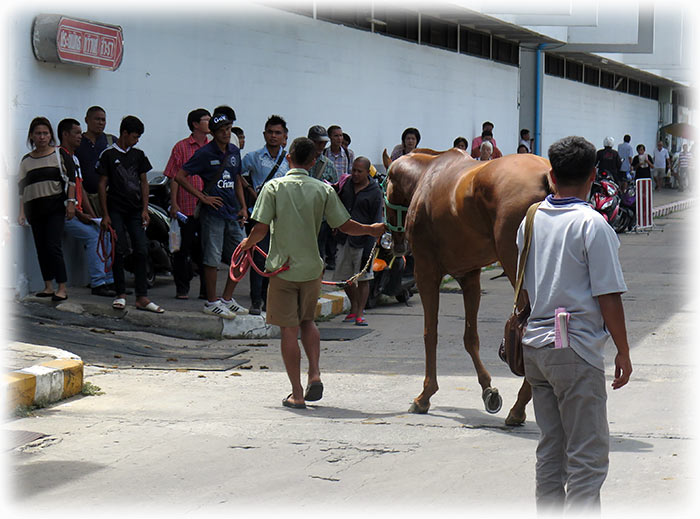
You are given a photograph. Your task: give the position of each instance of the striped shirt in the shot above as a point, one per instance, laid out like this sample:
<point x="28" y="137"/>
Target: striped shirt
<point x="684" y="159"/>
<point x="41" y="183"/>
<point x="182" y="152"/>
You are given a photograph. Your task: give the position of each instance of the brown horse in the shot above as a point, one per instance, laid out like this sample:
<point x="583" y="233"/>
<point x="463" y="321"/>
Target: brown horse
<point x="460" y="215"/>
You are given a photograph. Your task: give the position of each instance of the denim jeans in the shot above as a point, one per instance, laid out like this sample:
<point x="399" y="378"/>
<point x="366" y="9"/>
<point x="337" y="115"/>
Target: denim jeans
<point x="129" y="223"/>
<point x="88" y="235"/>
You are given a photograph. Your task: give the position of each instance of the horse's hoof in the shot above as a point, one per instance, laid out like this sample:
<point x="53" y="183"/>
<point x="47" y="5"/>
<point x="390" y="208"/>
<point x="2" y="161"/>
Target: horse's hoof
<point x="492" y="400"/>
<point x="417" y="409"/>
<point x="514" y="420"/>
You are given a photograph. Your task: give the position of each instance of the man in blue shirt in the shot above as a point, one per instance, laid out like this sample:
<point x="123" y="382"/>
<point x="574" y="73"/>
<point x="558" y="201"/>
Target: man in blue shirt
<point x="262" y="166"/>
<point x="222" y="209"/>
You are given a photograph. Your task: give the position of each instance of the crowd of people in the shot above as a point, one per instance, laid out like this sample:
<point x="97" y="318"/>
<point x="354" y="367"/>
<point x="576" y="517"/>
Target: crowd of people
<point x="92" y="185"/>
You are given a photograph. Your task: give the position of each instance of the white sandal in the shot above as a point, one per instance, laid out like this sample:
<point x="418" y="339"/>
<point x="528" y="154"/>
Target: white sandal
<point x="119" y="303"/>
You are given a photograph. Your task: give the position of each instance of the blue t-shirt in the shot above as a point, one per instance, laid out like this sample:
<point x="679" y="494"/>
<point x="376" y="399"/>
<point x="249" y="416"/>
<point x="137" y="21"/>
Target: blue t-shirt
<point x="206" y="163"/>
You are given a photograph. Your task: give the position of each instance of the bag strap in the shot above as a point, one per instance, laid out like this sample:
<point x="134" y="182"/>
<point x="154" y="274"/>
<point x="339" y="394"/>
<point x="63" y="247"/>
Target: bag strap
<point x="216" y="177"/>
<point x="273" y="170"/>
<point x="529" y="220"/>
<point x="61" y="168"/>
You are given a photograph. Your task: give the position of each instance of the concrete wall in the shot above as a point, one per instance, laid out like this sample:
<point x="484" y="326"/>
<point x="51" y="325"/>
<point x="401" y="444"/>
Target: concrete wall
<point x="260" y="61"/>
<point x="573" y="108"/>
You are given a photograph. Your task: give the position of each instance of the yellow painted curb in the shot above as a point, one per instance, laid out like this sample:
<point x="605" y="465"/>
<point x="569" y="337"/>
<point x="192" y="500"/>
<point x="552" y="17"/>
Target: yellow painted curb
<point x="72" y="375"/>
<point x="20" y="388"/>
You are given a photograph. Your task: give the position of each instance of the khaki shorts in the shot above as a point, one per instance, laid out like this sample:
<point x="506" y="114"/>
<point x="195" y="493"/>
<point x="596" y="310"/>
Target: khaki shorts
<point x="348" y="262"/>
<point x="291" y="302"/>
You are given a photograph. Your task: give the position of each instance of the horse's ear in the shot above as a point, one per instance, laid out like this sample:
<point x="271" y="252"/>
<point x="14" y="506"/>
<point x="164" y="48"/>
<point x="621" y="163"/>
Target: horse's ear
<point x="386" y="160"/>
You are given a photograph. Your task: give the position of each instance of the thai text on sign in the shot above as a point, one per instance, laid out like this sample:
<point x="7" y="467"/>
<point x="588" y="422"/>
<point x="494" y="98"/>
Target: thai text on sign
<point x="89" y="43"/>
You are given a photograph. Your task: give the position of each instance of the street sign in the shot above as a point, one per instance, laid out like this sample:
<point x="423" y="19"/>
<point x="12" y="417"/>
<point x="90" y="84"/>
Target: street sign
<point x="62" y="39"/>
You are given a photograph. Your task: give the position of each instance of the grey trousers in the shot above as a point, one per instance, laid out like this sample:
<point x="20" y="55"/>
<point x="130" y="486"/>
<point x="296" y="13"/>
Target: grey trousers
<point x="569" y="398"/>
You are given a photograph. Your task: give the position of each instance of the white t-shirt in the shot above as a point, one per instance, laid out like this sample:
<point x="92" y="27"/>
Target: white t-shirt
<point x="660" y="158"/>
<point x="573" y="259"/>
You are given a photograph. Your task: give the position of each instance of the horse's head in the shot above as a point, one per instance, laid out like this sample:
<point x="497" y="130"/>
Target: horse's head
<point x="398" y="186"/>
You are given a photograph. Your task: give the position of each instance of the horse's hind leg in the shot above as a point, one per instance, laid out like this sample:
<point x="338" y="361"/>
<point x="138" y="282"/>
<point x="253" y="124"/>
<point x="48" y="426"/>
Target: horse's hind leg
<point x="516" y="415"/>
<point x="471" y="293"/>
<point x="428" y="282"/>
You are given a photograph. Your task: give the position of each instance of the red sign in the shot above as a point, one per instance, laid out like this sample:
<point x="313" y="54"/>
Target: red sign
<point x="89" y="43"/>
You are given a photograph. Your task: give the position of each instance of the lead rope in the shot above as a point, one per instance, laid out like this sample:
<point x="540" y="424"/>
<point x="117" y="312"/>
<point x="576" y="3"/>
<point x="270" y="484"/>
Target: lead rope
<point x="102" y="249"/>
<point x="241" y="261"/>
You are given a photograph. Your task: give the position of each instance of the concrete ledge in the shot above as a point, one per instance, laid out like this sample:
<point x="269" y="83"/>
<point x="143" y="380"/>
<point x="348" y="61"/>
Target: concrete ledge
<point x="666" y="209"/>
<point x="332" y="303"/>
<point x="44" y="383"/>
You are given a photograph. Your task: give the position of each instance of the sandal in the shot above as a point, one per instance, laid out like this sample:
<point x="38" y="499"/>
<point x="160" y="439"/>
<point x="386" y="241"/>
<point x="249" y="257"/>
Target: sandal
<point x="360" y="321"/>
<point x="349" y="318"/>
<point x="151" y="307"/>
<point x="119" y="303"/>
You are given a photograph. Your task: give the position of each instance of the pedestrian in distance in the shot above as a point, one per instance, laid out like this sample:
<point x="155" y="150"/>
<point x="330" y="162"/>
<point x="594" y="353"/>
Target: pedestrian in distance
<point x="642" y="163"/>
<point x="240" y="135"/>
<point x="46" y="200"/>
<point x="574" y="283"/>
<point x="259" y="167"/>
<point x="624" y="149"/>
<point x="291" y="208"/>
<point x="409" y="142"/>
<point x="123" y="191"/>
<point x="94" y="141"/>
<point x="525" y="140"/>
<point x="364" y="200"/>
<point x="342" y="160"/>
<point x="461" y="143"/>
<point x="183" y="204"/>
<point x="230" y="113"/>
<point x="522" y="149"/>
<point x="85" y="227"/>
<point x="485" y="151"/>
<point x="486" y="126"/>
<point x="222" y="211"/>
<point x="662" y="163"/>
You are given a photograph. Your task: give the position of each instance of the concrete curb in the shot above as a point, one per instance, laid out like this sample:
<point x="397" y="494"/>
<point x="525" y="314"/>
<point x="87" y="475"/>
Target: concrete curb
<point x="667" y="209"/>
<point x="44" y="383"/>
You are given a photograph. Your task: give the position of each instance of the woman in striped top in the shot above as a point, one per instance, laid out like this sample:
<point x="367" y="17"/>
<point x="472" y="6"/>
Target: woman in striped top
<point x="47" y="199"/>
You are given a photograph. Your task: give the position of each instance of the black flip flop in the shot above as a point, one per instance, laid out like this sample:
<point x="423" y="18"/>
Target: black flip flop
<point x="45" y="294"/>
<point x="54" y="297"/>
<point x="314" y="391"/>
<point x="287" y="403"/>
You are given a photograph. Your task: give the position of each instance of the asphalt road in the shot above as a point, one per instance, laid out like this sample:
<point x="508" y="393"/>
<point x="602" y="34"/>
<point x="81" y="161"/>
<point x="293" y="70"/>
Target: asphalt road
<point x="202" y="442"/>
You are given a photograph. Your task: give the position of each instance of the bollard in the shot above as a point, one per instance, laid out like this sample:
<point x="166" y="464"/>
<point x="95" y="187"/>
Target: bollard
<point x="645" y="219"/>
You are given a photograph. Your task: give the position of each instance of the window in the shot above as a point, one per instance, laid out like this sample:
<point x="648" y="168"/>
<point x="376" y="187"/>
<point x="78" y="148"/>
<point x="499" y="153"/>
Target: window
<point x="633" y="87"/>
<point x="655" y="94"/>
<point x="591" y="76"/>
<point x="438" y="33"/>
<point x="400" y="24"/>
<point x="505" y="51"/>
<point x="474" y="43"/>
<point x="620" y="83"/>
<point x="645" y="90"/>
<point x="607" y="79"/>
<point x="553" y="65"/>
<point x="574" y="71"/>
<point x="357" y="16"/>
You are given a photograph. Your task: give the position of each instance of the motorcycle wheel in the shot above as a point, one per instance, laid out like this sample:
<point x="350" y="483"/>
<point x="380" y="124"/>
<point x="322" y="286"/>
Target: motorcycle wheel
<point x="404" y="296"/>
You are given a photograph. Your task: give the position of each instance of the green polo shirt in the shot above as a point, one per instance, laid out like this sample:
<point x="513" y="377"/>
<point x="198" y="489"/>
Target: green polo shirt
<point x="293" y="206"/>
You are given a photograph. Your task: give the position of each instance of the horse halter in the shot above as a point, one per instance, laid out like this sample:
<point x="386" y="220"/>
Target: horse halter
<point x="400" y="211"/>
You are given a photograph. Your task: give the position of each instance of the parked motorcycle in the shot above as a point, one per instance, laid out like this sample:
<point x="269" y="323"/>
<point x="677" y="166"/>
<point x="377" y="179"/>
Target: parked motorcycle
<point x="628" y="207"/>
<point x="393" y="276"/>
<point x="605" y="198"/>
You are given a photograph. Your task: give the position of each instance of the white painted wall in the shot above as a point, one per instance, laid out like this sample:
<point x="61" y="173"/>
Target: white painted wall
<point x="573" y="108"/>
<point x="261" y="61"/>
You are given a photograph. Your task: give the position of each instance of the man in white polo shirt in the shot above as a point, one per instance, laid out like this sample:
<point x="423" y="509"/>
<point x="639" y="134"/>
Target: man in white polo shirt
<point x="572" y="271"/>
<point x="662" y="163"/>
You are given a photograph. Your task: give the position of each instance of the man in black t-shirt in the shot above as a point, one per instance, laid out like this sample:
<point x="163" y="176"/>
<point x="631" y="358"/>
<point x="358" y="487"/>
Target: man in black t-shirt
<point x="609" y="160"/>
<point x="123" y="190"/>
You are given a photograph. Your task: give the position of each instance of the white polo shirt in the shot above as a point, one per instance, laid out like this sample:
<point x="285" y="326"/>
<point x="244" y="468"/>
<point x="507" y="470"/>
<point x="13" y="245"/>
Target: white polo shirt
<point x="573" y="259"/>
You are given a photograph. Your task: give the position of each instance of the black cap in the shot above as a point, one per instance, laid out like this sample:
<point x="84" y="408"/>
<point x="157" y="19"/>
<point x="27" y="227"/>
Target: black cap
<point x="218" y="121"/>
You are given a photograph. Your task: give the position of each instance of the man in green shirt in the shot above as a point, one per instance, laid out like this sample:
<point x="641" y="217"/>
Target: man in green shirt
<point x="292" y="208"/>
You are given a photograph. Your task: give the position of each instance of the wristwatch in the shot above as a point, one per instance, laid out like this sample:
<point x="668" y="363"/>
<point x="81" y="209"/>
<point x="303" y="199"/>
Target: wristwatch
<point x="70" y="200"/>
